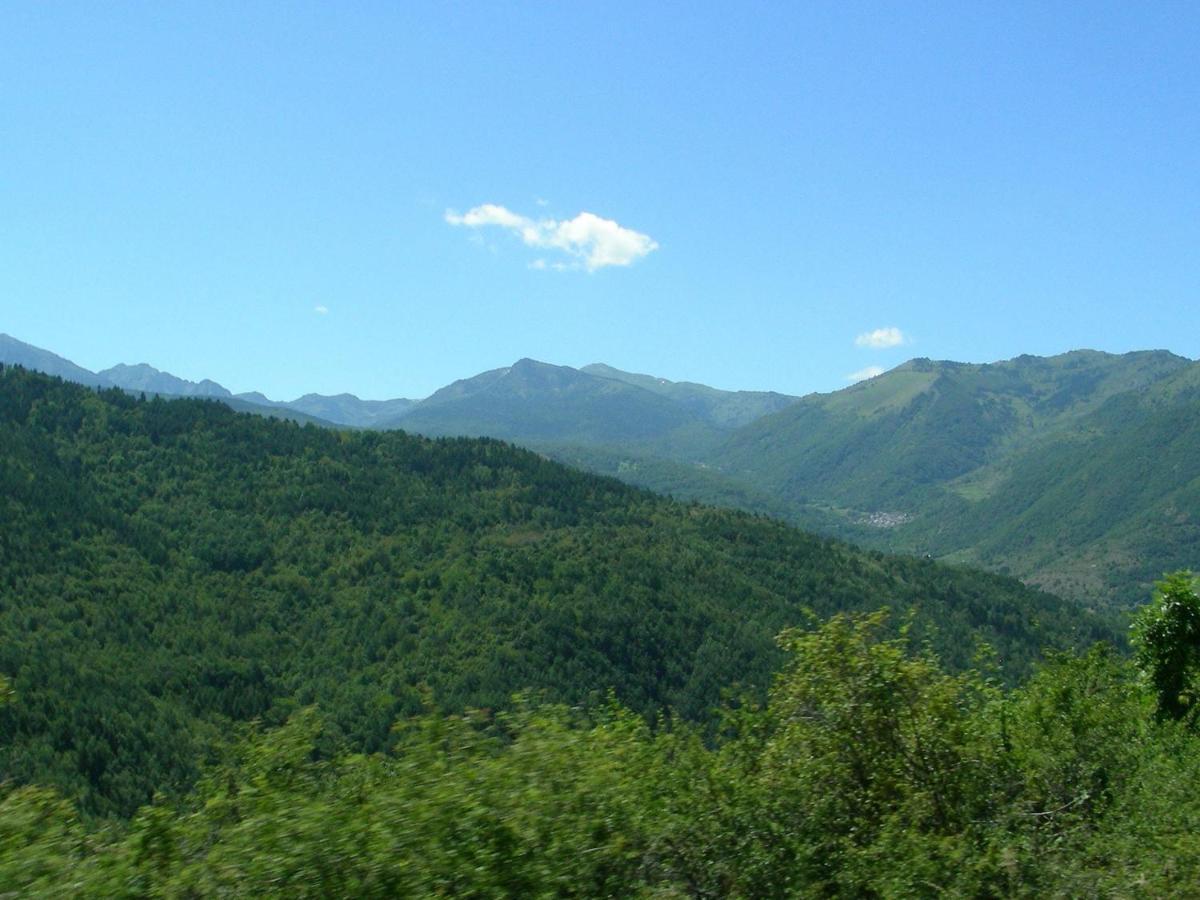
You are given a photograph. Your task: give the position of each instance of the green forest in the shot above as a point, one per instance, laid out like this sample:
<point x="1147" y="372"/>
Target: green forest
<point x="1019" y="466"/>
<point x="869" y="771"/>
<point x="249" y="656"/>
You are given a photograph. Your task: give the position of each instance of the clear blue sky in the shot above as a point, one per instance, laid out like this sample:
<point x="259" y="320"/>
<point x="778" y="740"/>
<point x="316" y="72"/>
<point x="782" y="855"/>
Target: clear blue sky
<point x="189" y="184"/>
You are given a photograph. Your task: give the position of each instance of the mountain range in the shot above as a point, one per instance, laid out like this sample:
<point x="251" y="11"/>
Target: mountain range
<point x="596" y="403"/>
<point x="1079" y="472"/>
<point x="171" y="569"/>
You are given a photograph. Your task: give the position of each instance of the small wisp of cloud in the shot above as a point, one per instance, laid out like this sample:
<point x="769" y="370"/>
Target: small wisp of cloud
<point x="881" y="338"/>
<point x="591" y="242"/>
<point x="864" y="374"/>
<point x="321" y="309"/>
<point x="541" y="265"/>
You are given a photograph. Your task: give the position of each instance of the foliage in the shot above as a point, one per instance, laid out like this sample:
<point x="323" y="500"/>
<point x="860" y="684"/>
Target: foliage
<point x="169" y="570"/>
<point x="869" y="772"/>
<point x="1021" y="466"/>
<point x="535" y="402"/>
<point x="1167" y="640"/>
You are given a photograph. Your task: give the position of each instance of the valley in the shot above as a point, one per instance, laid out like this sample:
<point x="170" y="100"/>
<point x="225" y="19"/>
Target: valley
<point x="1077" y="473"/>
<point x="435" y="661"/>
<point x="523" y="451"/>
<point x="192" y="567"/>
<point x="246" y="655"/>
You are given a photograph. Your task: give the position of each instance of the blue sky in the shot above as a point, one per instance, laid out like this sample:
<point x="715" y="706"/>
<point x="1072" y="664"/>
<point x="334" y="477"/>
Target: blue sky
<point x="381" y="198"/>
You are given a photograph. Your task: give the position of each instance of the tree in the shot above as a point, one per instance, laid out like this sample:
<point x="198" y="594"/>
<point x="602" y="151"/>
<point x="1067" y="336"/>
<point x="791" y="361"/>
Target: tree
<point x="1166" y="636"/>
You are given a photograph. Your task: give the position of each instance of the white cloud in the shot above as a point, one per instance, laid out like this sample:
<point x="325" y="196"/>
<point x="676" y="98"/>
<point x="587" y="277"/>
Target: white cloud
<point x="487" y="214"/>
<point x="592" y="241"/>
<point x="321" y="310"/>
<point x="881" y="338"/>
<point x="542" y="265"/>
<point x="864" y="374"/>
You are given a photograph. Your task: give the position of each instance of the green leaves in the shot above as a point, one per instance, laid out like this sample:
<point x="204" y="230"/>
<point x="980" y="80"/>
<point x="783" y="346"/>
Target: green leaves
<point x="171" y="569"/>
<point x="1166" y="636"/>
<point x="871" y="771"/>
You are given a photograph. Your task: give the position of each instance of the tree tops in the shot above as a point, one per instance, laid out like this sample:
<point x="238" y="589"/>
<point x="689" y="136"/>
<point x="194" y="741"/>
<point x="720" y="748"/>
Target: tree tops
<point x="170" y="570"/>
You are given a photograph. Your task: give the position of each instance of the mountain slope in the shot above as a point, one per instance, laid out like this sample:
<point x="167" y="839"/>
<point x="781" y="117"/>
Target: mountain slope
<point x="972" y="463"/>
<point x="725" y="409"/>
<point x="901" y="436"/>
<point x="168" y="569"/>
<point x="340" y="409"/>
<point x="1104" y="508"/>
<point x="1043" y="467"/>
<point x="532" y="402"/>
<point x="143" y="377"/>
<point x="347" y="409"/>
<point x="18" y="353"/>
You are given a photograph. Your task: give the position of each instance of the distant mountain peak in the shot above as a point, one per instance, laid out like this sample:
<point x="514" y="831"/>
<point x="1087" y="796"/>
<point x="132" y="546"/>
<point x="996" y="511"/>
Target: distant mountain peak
<point x="528" y="364"/>
<point x="342" y="397"/>
<point x="144" y="377"/>
<point x="15" y="352"/>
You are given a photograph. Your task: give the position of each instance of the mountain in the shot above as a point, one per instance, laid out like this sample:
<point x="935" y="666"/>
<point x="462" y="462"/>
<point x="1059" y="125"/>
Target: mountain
<point x="170" y="569"/>
<point x="1038" y="466"/>
<point x="1099" y="510"/>
<point x="534" y="403"/>
<point x="983" y="464"/>
<point x="551" y="407"/>
<point x="340" y="409"/>
<point x="531" y="403"/>
<point x="18" y="353"/>
<point x="1075" y="472"/>
<point x="143" y="377"/>
<point x="724" y="409"/>
<point x="893" y="439"/>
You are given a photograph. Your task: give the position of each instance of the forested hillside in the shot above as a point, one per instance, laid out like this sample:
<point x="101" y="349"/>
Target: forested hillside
<point x="1041" y="467"/>
<point x="725" y="409"/>
<point x="896" y="440"/>
<point x="1072" y="472"/>
<point x="171" y="568"/>
<point x="1077" y="472"/>
<point x="871" y="771"/>
<point x="532" y="402"/>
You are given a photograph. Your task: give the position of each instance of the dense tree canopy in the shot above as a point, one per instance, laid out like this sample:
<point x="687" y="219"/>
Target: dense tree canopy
<point x="1167" y="639"/>
<point x="170" y="569"/>
<point x="248" y="658"/>
<point x="870" y="771"/>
